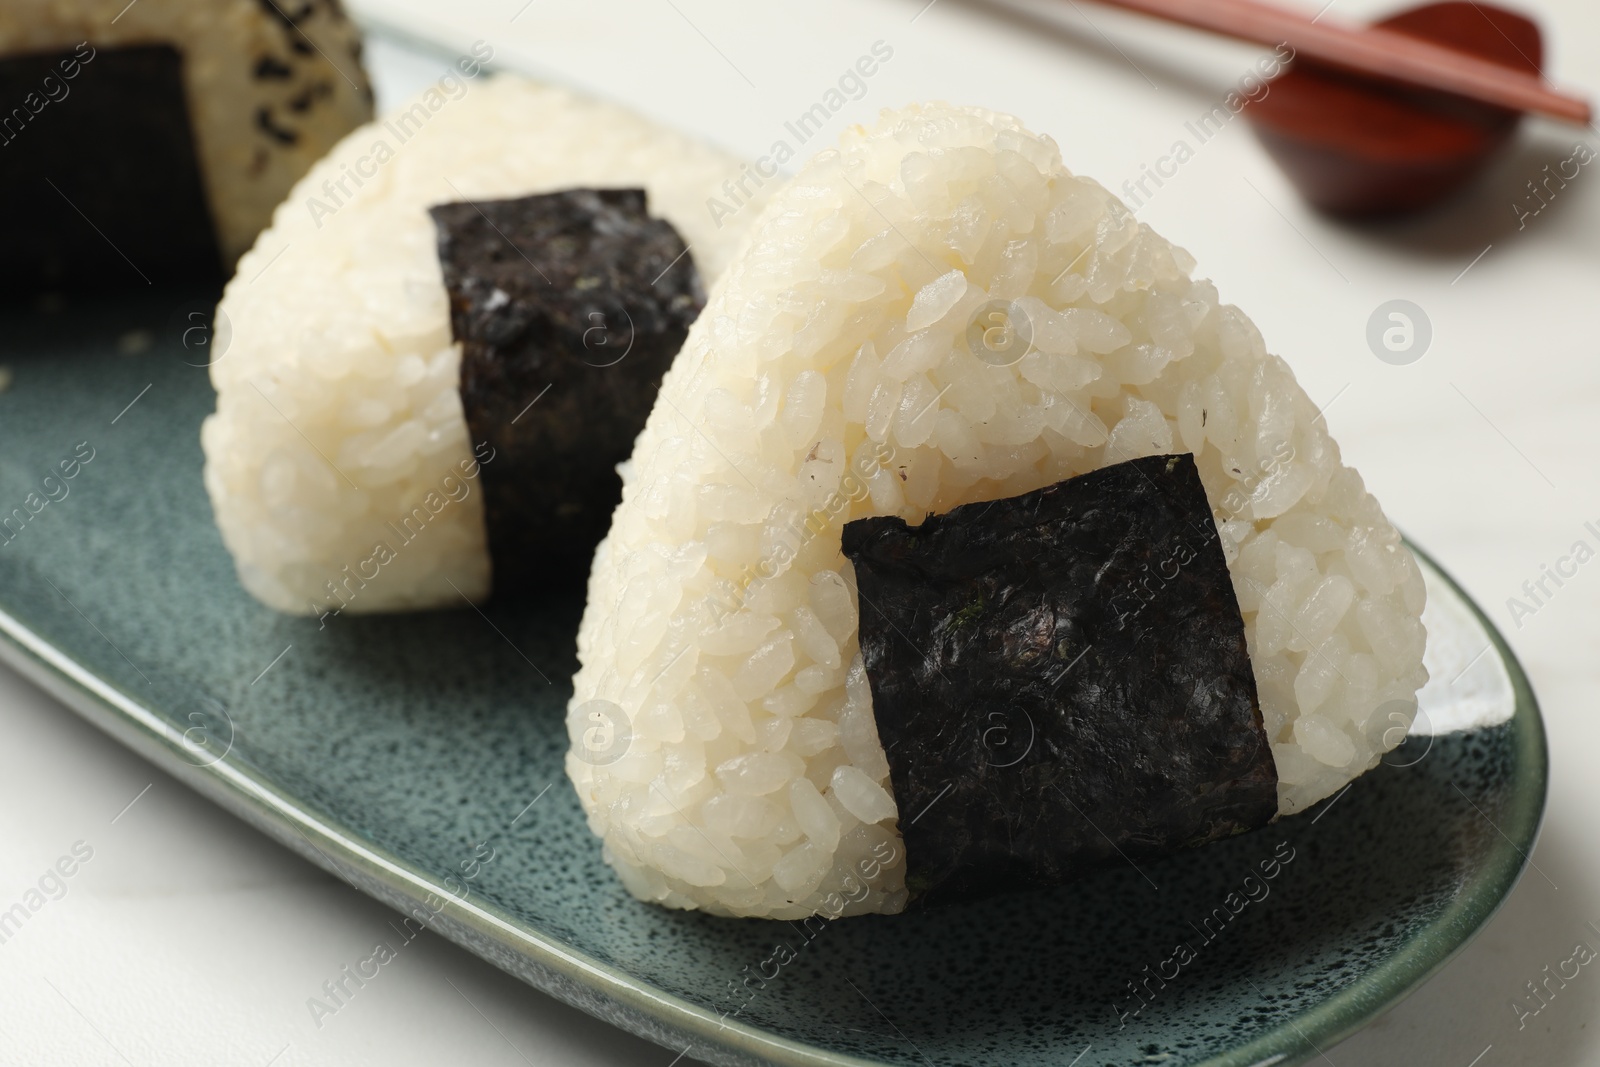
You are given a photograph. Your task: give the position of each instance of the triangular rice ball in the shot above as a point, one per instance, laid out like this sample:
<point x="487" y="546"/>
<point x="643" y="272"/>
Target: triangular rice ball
<point x="860" y="357"/>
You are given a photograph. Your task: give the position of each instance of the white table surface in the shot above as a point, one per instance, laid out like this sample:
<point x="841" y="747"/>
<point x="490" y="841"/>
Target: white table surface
<point x="190" y="939"/>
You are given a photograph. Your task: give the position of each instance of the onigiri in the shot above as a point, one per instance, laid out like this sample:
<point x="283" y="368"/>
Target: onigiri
<point x="942" y="378"/>
<point x="448" y="339"/>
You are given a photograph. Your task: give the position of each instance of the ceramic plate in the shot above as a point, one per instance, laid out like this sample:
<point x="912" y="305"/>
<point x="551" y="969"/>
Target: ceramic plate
<point x="420" y="758"/>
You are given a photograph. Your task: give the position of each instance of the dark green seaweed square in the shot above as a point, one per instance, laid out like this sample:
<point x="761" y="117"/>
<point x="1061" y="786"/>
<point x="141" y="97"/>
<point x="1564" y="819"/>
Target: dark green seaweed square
<point x="569" y="307"/>
<point x="1060" y="680"/>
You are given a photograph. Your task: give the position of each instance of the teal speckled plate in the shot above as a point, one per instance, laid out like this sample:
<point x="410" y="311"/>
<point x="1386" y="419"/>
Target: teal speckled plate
<point x="420" y="758"/>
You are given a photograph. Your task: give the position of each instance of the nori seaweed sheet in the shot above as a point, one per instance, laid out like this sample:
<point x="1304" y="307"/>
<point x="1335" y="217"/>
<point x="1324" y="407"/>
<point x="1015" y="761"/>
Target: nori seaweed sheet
<point x="99" y="183"/>
<point x="1060" y="680"/>
<point x="570" y="306"/>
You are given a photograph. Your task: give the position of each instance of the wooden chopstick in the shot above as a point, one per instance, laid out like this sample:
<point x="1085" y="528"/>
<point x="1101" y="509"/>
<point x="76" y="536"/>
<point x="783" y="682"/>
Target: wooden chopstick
<point x="1373" y="50"/>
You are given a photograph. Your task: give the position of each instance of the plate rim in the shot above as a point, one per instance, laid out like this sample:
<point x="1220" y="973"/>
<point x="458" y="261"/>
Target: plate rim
<point x="259" y="801"/>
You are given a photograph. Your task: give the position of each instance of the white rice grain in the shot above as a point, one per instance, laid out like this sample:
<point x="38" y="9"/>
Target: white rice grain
<point x="338" y="408"/>
<point x="931" y="214"/>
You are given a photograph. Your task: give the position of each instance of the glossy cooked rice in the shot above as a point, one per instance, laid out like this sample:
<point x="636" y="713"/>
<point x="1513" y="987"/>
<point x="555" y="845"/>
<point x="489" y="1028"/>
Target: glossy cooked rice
<point x="833" y="376"/>
<point x="339" y="424"/>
